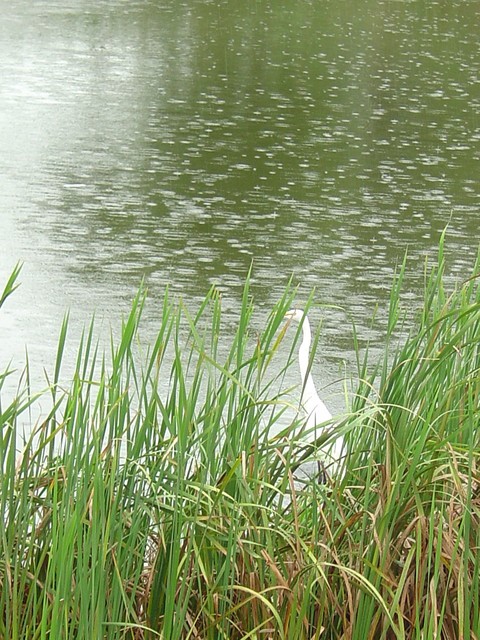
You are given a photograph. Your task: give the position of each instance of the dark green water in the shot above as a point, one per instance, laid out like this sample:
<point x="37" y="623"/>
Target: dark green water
<point x="181" y="141"/>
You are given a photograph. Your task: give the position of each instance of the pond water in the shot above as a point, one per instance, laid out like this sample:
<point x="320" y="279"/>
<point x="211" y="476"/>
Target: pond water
<point x="183" y="141"/>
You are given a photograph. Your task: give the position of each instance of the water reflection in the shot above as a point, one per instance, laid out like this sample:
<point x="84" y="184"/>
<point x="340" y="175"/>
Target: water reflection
<point x="183" y="141"/>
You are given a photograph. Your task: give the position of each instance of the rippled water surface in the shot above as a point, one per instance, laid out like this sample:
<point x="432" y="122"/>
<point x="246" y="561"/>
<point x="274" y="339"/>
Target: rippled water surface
<point x="181" y="140"/>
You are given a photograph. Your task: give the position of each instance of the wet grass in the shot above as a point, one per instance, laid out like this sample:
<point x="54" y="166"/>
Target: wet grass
<point x="157" y="498"/>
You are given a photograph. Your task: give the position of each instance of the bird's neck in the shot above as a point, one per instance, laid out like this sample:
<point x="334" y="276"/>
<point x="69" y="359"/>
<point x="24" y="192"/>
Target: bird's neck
<point x="304" y="351"/>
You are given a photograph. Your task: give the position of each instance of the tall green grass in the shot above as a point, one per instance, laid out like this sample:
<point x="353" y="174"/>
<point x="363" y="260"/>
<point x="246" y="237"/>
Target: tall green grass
<point x="158" y="496"/>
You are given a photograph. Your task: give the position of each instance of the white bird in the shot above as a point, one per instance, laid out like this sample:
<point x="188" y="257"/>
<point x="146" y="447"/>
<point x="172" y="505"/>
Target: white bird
<point x="313" y="406"/>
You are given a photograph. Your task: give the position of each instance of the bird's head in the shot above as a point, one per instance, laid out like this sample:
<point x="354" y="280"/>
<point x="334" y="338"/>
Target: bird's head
<point x="301" y="317"/>
<point x="295" y="314"/>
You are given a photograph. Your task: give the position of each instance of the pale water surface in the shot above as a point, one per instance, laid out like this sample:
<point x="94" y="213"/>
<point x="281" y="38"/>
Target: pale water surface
<point x="181" y="140"/>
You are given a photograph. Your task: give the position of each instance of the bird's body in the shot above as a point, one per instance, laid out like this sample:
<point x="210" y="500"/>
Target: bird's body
<point x="313" y="406"/>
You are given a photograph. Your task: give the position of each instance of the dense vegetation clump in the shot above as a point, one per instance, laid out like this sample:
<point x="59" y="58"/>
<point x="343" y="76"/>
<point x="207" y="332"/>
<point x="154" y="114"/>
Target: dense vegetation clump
<point x="159" y="496"/>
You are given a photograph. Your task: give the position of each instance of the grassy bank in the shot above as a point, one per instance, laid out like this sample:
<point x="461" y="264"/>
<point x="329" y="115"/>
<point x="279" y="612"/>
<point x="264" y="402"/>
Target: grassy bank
<point x="155" y="501"/>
